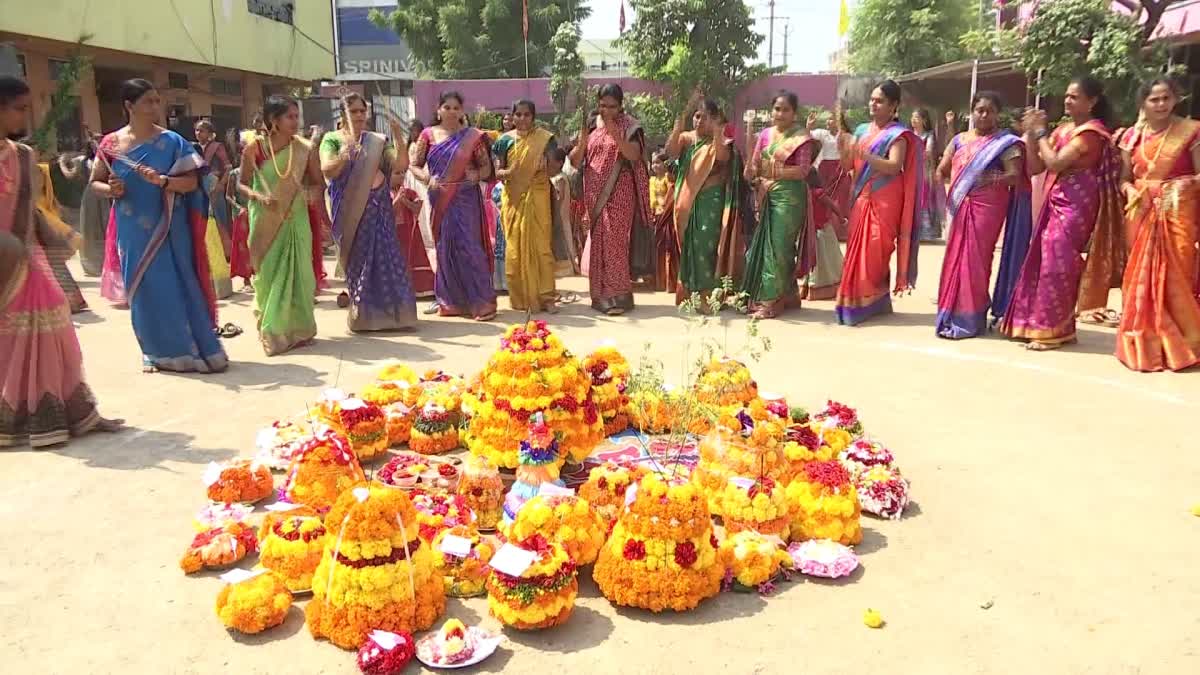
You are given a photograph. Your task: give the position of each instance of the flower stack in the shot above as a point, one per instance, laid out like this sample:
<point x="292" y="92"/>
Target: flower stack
<point x="533" y="373"/>
<point x="753" y="559"/>
<point x="840" y="416"/>
<point x="385" y="653"/>
<point x="292" y="548"/>
<point x="439" y="510"/>
<point x="396" y="383"/>
<point x="464" y="576"/>
<point x="365" y="427"/>
<point x="824" y="504"/>
<point x="759" y="505"/>
<point x="610" y="376"/>
<point x="882" y="489"/>
<point x="327" y="409"/>
<point x="725" y="383"/>
<point x="255" y="604"/>
<point x="241" y="480"/>
<point x="483" y="491"/>
<point x="435" y="430"/>
<point x="662" y="553"/>
<point x="656" y="411"/>
<point x="605" y="489"/>
<point x="542" y="596"/>
<point x="805" y="444"/>
<point x="375" y="573"/>
<point x="746" y="445"/>
<point x="278" y="443"/>
<point x="564" y="520"/>
<point x="219" y="547"/>
<point x="324" y="467"/>
<point x="393" y="398"/>
<point x="539" y="461"/>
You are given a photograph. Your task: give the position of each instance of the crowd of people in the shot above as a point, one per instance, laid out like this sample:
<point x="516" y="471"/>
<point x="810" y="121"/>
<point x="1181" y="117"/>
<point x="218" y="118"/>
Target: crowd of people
<point x="167" y="223"/>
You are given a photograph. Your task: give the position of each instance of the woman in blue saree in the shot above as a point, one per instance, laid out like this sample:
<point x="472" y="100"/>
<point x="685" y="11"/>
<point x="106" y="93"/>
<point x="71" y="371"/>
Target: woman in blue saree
<point x="152" y="174"/>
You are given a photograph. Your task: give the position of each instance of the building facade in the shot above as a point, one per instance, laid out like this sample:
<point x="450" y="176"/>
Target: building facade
<point x="603" y="58"/>
<point x="372" y="61"/>
<point x="214" y="59"/>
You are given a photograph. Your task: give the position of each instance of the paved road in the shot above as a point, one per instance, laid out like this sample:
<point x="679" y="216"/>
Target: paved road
<point x="1052" y="488"/>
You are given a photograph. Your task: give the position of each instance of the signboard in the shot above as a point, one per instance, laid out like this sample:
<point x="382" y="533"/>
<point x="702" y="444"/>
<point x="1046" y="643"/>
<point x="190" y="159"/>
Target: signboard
<point x="368" y="52"/>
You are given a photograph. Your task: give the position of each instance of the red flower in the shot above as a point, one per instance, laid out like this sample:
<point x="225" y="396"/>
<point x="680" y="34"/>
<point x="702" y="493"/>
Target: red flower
<point x="764" y="485"/>
<point x="476" y="491"/>
<point x="712" y="539"/>
<point x="804" y="436"/>
<point x="427" y="531"/>
<point x="447" y="470"/>
<point x="536" y="543"/>
<point x="685" y="554"/>
<point x="589" y="412"/>
<point x="635" y="549"/>
<point x="831" y="474"/>
<point x="602" y="483"/>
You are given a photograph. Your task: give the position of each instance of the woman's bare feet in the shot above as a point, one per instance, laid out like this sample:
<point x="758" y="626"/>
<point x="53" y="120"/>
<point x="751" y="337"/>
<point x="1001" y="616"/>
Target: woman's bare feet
<point x="110" y="426"/>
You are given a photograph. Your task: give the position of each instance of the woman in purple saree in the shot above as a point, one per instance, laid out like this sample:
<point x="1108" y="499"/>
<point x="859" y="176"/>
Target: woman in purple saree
<point x="451" y="159"/>
<point x="989" y="190"/>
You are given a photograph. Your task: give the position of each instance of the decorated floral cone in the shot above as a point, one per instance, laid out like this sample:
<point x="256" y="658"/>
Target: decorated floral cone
<point x="882" y="491"/>
<point x="398" y="387"/>
<point x="747" y="445"/>
<point x="539" y="462"/>
<point x="241" y="480"/>
<point x="605" y="489"/>
<point x="292" y="550"/>
<point x="807" y="444"/>
<point x="327" y="409"/>
<point x="400" y="420"/>
<point x="219" y="548"/>
<point x="255" y="604"/>
<point x="278" y="443"/>
<point x="540" y="597"/>
<point x="610" y="376"/>
<point x="824" y="504"/>
<point x="753" y="559"/>
<point x="324" y="467"/>
<point x="439" y="510"/>
<point x="662" y="553"/>
<point x="464" y="576"/>
<point x="564" y="520"/>
<point x="435" y="430"/>
<point x="375" y="572"/>
<point x="483" y="490"/>
<point x="385" y="653"/>
<point x="532" y="373"/>
<point x="841" y="416"/>
<point x="278" y="516"/>
<point x="366" y="427"/>
<point x="656" y="411"/>
<point x="726" y="383"/>
<point x="755" y="504"/>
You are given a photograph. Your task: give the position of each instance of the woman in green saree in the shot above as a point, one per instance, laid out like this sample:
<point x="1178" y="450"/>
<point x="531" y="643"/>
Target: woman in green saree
<point x="783" y="247"/>
<point x="275" y="168"/>
<point x="705" y="206"/>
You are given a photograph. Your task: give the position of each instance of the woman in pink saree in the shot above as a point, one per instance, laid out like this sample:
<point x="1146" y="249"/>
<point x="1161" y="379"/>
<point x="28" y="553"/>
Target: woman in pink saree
<point x="1080" y="214"/>
<point x="989" y="190"/>
<point x="43" y="398"/>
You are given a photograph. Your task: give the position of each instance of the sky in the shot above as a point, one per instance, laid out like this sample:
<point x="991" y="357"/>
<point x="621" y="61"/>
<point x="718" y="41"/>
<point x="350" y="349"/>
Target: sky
<point x="810" y="53"/>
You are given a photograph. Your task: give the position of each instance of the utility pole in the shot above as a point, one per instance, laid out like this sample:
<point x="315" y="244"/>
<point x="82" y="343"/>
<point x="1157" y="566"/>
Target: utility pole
<point x="787" y="30"/>
<point x="771" y="36"/>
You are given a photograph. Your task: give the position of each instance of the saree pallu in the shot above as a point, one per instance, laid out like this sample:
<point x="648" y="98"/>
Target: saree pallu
<point x="164" y="262"/>
<point x="239" y="255"/>
<point x="616" y="195"/>
<point x="711" y="246"/>
<point x="822" y="282"/>
<point x="412" y="243"/>
<point x="112" y="280"/>
<point x="837" y="182"/>
<point x="59" y="240"/>
<point x="364" y="225"/>
<point x="280" y="247"/>
<point x="319" y="229"/>
<point x="1044" y="298"/>
<point x="932" y="211"/>
<point x="1160" y="322"/>
<point x="218" y="265"/>
<point x="979" y="212"/>
<point x="882" y="220"/>
<point x="43" y="398"/>
<point x="525" y="211"/>
<point x="465" y="263"/>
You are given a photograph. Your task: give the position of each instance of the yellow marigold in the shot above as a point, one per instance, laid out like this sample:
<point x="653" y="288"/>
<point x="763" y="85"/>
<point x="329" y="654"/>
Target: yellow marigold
<point x="464" y="577"/>
<point x="725" y="382"/>
<point x="321" y="470"/>
<point x="824" y="505"/>
<point x="605" y="489"/>
<point x="752" y="557"/>
<point x="753" y="504"/>
<point x="292" y="549"/>
<point x="483" y="490"/>
<point x="725" y="454"/>
<point x="255" y="604"/>
<point x="565" y="520"/>
<point x="542" y="597"/>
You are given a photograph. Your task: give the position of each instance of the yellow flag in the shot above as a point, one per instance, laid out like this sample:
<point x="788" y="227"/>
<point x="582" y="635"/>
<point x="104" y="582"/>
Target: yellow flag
<point x="843" y="19"/>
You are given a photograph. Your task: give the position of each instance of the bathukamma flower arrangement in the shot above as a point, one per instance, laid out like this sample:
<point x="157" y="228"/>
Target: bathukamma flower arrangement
<point x="324" y="467"/>
<point x="255" y="604"/>
<point x="565" y="520"/>
<point x="753" y="559"/>
<point x="606" y="486"/>
<point x="610" y="378"/>
<point x="540" y="596"/>
<point x="366" y="427"/>
<point x="241" y="480"/>
<point x="483" y="491"/>
<point x="292" y="549"/>
<point x="824" y="504"/>
<point x="461" y="556"/>
<point x="219" y="548"/>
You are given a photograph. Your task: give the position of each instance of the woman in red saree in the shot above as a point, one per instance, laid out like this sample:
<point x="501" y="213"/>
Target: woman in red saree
<point x="616" y="193"/>
<point x="1160" y="324"/>
<point x="1080" y="205"/>
<point x="889" y="166"/>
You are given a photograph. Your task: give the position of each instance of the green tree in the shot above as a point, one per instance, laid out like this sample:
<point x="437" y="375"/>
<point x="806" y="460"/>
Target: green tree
<point x="655" y="113"/>
<point x="479" y="38"/>
<point x="694" y="43"/>
<point x="893" y="37"/>
<point x="566" y="78"/>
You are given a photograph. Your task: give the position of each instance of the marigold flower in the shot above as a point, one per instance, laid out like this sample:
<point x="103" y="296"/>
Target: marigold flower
<point x="242" y="481"/>
<point x="254" y="605"/>
<point x="542" y="597"/>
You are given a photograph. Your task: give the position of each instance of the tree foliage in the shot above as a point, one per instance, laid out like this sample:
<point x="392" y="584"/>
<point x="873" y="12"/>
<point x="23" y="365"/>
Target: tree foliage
<point x="479" y="39"/>
<point x="566" y="78"/>
<point x="64" y="100"/>
<point x="656" y="114"/>
<point x="892" y="37"/>
<point x="709" y="44"/>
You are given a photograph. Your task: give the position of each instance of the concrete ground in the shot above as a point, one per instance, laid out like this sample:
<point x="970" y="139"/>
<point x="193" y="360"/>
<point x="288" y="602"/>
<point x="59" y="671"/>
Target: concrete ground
<point x="1051" y="531"/>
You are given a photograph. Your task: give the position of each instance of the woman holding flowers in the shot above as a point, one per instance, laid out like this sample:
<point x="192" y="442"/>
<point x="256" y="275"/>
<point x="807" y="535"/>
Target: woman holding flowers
<point x="705" y="204"/>
<point x="1160" y="324"/>
<point x="521" y="159"/>
<point x="451" y="159"/>
<point x="616" y="195"/>
<point x="989" y="190"/>
<point x="1080" y="204"/>
<point x="783" y="247"/>
<point x="888" y="162"/>
<point x="274" y="170"/>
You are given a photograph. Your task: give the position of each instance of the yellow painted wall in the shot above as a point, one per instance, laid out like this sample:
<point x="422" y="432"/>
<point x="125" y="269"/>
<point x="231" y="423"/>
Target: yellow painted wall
<point x="219" y="33"/>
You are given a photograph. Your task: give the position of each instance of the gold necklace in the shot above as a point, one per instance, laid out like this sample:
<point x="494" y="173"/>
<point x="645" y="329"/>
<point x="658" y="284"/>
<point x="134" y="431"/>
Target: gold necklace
<point x="1152" y="163"/>
<point x="286" y="173"/>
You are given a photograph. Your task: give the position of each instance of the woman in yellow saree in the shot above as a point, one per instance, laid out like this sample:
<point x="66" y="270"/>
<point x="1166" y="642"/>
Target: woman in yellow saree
<point x="1160" y="324"/>
<point x="521" y="159"/>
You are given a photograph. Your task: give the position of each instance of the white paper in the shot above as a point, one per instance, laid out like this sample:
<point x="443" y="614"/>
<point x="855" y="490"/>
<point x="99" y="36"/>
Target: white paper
<point x="456" y="545"/>
<point x="630" y="494"/>
<point x="361" y="493"/>
<point x="333" y="395"/>
<point x="212" y="474"/>
<point x="238" y="575"/>
<point x="552" y="490"/>
<point x="512" y="560"/>
<point x="280" y="506"/>
<point x="744" y="483"/>
<point x="387" y="640"/>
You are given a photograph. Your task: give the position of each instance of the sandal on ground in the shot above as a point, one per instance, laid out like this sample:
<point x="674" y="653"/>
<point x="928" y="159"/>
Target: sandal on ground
<point x="229" y="330"/>
<point x="343" y="300"/>
<point x="485" y="317"/>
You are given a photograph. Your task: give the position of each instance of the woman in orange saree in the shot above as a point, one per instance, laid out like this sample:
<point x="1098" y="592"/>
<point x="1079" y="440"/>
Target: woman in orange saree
<point x="889" y="167"/>
<point x="1080" y="214"/>
<point x="1160" y="324"/>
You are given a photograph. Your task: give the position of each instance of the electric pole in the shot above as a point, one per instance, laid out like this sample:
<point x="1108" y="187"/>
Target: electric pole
<point x="787" y="29"/>
<point x="771" y="36"/>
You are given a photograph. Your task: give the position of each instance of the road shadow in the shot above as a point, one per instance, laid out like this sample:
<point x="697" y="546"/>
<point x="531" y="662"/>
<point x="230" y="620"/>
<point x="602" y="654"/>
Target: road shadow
<point x="292" y="624"/>
<point x="724" y="607"/>
<point x="87" y="317"/>
<point x="586" y="628"/>
<point x="135" y="449"/>
<point x="872" y="540"/>
<point x="270" y="376"/>
<point x="375" y="348"/>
